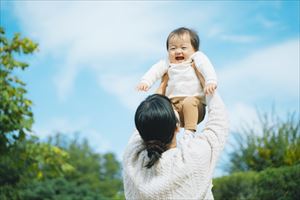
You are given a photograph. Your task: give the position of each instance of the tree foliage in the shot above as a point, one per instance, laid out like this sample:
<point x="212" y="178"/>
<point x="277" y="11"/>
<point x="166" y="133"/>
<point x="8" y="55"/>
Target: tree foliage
<point x="101" y="172"/>
<point x="275" y="144"/>
<point x="16" y="116"/>
<point x="28" y="161"/>
<point x="59" y="170"/>
<point x="31" y="169"/>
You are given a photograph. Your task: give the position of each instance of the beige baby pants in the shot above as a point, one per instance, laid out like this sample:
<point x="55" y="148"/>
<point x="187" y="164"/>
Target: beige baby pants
<point x="191" y="111"/>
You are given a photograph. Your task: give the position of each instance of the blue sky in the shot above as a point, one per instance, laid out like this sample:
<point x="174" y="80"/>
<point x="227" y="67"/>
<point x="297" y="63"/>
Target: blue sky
<point x="92" y="55"/>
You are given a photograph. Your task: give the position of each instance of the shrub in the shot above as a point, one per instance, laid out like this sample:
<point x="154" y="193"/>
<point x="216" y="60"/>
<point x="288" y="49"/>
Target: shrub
<point x="275" y="144"/>
<point x="282" y="183"/>
<point x="273" y="183"/>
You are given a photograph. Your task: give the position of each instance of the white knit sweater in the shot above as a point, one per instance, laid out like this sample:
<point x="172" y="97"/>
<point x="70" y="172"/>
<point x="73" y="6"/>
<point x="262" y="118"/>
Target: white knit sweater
<point x="183" y="80"/>
<point x="184" y="172"/>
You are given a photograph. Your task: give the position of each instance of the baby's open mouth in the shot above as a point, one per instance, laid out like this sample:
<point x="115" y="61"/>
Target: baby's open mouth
<point x="179" y="58"/>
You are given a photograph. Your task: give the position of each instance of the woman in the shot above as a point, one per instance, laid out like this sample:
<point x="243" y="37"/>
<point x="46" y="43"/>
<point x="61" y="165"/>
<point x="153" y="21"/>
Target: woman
<point x="157" y="166"/>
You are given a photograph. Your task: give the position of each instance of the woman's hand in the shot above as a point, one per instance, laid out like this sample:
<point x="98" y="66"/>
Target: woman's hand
<point x="143" y="87"/>
<point x="210" y="88"/>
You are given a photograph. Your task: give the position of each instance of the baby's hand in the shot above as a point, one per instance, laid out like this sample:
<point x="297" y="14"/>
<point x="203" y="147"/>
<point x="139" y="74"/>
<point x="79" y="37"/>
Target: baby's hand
<point x="143" y="87"/>
<point x="210" y="88"/>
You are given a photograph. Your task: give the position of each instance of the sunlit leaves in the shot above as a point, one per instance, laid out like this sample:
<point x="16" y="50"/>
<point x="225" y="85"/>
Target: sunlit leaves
<point x="16" y="116"/>
<point x="50" y="161"/>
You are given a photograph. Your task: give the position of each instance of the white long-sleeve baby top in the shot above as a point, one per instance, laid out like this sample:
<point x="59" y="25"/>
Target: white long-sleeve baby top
<point x="183" y="80"/>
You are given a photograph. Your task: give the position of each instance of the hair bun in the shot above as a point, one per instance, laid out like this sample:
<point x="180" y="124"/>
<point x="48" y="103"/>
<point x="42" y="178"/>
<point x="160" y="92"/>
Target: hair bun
<point x="154" y="148"/>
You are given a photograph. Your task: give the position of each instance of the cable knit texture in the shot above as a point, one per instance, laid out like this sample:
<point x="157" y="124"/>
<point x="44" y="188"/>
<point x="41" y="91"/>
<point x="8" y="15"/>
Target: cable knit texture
<point x="184" y="172"/>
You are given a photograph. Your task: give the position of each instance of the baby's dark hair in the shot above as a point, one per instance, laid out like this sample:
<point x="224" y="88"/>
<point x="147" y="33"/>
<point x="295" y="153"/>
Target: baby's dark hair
<point x="156" y="122"/>
<point x="195" y="41"/>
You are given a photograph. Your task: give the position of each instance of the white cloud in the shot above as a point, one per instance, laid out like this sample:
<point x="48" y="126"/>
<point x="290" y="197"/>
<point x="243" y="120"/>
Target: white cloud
<point x="219" y="32"/>
<point x="215" y="31"/>
<point x="88" y="34"/>
<point x="267" y="76"/>
<point x="239" y="38"/>
<point x="61" y="124"/>
<point x="123" y="87"/>
<point x="64" y="80"/>
<point x="266" y="22"/>
<point x="272" y="72"/>
<point x="242" y="114"/>
<point x="89" y="26"/>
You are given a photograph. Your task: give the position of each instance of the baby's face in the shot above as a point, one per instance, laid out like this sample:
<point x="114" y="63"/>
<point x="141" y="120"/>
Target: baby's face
<point x="180" y="48"/>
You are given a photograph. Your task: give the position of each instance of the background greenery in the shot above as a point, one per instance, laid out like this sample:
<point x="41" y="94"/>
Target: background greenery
<point x="61" y="168"/>
<point x="271" y="183"/>
<point x="264" y="164"/>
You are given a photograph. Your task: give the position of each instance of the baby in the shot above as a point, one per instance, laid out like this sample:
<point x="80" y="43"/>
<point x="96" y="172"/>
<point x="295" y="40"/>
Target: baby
<point x="183" y="83"/>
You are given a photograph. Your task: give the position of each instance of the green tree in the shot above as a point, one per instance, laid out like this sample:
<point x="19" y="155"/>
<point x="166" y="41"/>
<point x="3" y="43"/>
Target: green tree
<point x="60" y="169"/>
<point x="101" y="173"/>
<point x="16" y="116"/>
<point x="22" y="159"/>
<point x="275" y="144"/>
<point x="30" y="161"/>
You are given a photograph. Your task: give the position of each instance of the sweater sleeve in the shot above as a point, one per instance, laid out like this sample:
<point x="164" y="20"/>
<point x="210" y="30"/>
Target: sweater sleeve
<point x="217" y="126"/>
<point x="200" y="151"/>
<point x="204" y="65"/>
<point x="155" y="72"/>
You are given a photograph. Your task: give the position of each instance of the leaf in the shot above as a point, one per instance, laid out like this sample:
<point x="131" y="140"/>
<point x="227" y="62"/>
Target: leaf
<point x="39" y="175"/>
<point x="67" y="167"/>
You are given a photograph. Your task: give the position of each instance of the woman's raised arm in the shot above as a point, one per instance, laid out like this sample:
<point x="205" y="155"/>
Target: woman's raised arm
<point x="217" y="126"/>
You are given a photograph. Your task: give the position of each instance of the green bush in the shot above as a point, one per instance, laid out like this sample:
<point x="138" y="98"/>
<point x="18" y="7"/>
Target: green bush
<point x="272" y="183"/>
<point x="55" y="188"/>
<point x="282" y="183"/>
<point x="274" y="143"/>
<point x="237" y="186"/>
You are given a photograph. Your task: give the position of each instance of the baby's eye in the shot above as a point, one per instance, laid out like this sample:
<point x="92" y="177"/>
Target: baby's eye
<point x="172" y="48"/>
<point x="184" y="48"/>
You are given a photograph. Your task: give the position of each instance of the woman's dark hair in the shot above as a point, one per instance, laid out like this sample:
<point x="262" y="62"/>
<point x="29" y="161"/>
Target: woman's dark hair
<point x="195" y="41"/>
<point x="156" y="122"/>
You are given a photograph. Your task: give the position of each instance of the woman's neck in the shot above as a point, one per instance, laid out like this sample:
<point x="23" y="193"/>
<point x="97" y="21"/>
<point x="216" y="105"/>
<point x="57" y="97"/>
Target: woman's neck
<point x="173" y="143"/>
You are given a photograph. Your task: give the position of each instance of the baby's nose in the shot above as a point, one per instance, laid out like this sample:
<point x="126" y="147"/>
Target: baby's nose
<point x="178" y="51"/>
